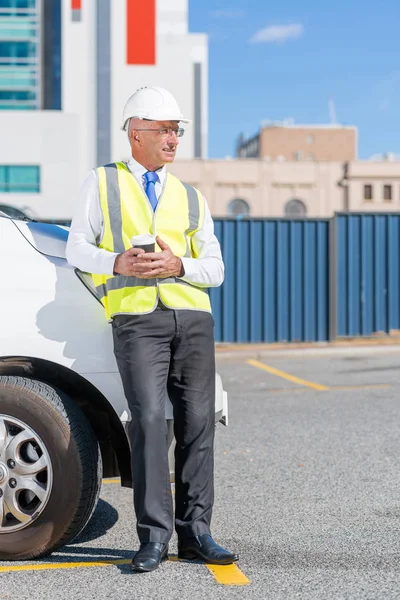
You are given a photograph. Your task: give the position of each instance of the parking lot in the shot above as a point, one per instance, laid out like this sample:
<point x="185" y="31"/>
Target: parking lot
<point x="307" y="492"/>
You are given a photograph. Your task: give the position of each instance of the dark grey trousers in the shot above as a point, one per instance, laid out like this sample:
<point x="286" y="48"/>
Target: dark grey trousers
<point x="169" y="352"/>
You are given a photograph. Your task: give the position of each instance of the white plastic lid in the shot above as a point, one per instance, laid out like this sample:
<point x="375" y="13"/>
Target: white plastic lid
<point x="143" y="239"/>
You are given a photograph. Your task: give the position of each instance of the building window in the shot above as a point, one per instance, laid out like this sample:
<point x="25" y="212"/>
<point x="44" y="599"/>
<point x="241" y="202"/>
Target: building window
<point x="368" y="196"/>
<point x="16" y="51"/>
<point x="20" y="52"/>
<point x="311" y="156"/>
<point x="17" y="4"/>
<point x="310" y="139"/>
<point x="238" y="208"/>
<point x="295" y="208"/>
<point x="387" y="193"/>
<point x="16" y="95"/>
<point x="297" y="155"/>
<point x="19" y="179"/>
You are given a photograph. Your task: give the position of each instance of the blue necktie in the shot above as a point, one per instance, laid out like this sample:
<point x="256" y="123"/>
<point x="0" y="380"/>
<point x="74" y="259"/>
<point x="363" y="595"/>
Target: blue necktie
<point x="151" y="178"/>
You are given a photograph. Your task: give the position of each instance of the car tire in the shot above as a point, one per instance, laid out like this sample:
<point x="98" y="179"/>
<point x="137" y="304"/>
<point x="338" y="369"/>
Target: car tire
<point x="65" y="491"/>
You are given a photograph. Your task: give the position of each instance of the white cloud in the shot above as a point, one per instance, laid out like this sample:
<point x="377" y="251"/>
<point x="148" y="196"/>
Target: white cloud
<point x="277" y="34"/>
<point x="228" y="14"/>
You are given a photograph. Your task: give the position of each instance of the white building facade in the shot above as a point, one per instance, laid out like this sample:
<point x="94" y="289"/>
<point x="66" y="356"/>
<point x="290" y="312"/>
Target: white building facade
<point x="67" y="68"/>
<point x="247" y="187"/>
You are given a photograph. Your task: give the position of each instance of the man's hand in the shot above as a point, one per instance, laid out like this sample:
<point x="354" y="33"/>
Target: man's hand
<point x="125" y="262"/>
<point x="162" y="264"/>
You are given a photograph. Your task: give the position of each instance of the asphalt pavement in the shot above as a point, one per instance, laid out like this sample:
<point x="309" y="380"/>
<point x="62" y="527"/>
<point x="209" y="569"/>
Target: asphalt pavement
<point x="307" y="492"/>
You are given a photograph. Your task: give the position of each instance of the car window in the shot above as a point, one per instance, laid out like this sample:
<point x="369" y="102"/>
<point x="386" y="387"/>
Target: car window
<point x="88" y="282"/>
<point x="13" y="213"/>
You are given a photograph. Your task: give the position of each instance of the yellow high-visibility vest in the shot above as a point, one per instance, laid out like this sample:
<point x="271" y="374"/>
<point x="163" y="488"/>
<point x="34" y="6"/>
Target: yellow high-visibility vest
<point x="127" y="212"/>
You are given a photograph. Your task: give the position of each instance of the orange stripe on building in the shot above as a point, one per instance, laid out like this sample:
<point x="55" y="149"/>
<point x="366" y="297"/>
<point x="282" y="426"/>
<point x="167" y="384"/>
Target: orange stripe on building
<point x="76" y="4"/>
<point x="141" y="32"/>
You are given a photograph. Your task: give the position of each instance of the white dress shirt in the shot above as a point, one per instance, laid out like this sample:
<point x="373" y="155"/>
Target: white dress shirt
<point x="87" y="230"/>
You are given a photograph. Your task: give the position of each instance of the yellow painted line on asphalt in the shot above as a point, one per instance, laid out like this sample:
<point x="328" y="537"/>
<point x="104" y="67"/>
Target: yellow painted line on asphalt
<point x="225" y="575"/>
<point x="287" y="376"/>
<point x="73" y="565"/>
<point x="333" y="388"/>
<point x="228" y="575"/>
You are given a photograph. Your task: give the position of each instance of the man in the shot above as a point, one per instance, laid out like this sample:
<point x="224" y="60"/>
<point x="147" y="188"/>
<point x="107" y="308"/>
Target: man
<point x="162" y="324"/>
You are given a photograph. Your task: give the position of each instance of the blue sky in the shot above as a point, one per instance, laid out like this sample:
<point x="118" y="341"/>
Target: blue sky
<point x="276" y="60"/>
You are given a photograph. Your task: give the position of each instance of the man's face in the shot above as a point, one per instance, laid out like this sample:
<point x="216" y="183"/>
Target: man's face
<point x="156" y="148"/>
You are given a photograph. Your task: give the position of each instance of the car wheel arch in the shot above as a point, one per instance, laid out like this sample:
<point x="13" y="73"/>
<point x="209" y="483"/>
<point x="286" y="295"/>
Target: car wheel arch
<point x="95" y="406"/>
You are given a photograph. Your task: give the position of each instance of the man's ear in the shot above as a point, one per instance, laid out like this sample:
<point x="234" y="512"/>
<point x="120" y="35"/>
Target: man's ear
<point x="133" y="135"/>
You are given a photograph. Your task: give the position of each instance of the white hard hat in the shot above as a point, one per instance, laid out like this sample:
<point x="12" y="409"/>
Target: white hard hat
<point x="154" y="104"/>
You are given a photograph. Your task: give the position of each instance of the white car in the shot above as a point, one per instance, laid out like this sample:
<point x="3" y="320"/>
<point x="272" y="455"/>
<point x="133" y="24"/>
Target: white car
<point x="63" y="413"/>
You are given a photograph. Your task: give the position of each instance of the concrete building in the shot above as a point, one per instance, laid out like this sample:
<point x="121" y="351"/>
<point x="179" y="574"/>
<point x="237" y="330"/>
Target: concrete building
<point x="286" y="141"/>
<point x="259" y="188"/>
<point x="67" y="68"/>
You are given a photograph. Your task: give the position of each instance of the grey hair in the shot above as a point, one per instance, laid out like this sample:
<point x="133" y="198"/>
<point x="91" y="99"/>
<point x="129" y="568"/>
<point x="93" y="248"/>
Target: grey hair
<point x="129" y="125"/>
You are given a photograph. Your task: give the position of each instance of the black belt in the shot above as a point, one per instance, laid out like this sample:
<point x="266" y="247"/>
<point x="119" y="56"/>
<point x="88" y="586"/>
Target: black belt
<point x="161" y="306"/>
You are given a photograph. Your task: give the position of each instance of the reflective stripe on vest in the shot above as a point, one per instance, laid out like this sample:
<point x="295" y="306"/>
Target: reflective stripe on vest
<point x="127" y="212"/>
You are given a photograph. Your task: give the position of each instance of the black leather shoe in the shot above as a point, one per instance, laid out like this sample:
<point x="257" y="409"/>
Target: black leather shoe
<point x="149" y="556"/>
<point x="204" y="547"/>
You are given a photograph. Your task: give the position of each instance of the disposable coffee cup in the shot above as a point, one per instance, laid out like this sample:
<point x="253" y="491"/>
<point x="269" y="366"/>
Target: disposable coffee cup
<point x="145" y="241"/>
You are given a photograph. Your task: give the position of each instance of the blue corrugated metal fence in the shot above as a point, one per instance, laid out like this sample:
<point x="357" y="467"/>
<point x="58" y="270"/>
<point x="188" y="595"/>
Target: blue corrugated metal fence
<point x="276" y="281"/>
<point x="367" y="273"/>
<point x="308" y="280"/>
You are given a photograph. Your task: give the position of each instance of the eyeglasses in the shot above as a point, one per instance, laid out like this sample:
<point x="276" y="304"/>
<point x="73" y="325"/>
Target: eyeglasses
<point x="167" y="131"/>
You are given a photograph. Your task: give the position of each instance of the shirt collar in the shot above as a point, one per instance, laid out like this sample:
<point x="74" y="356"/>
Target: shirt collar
<point x="139" y="170"/>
